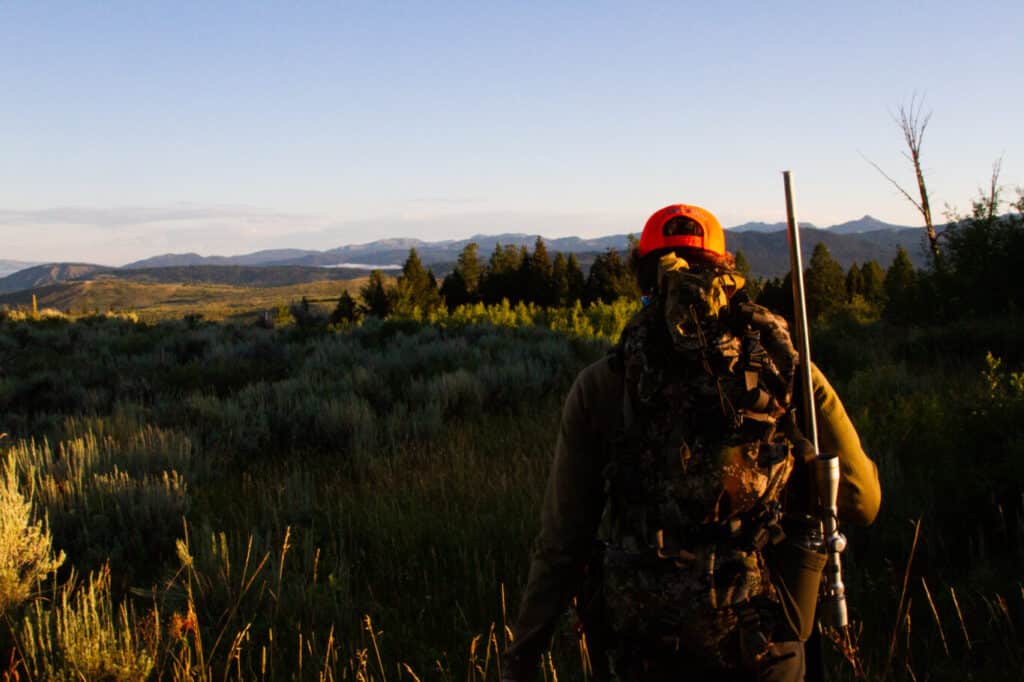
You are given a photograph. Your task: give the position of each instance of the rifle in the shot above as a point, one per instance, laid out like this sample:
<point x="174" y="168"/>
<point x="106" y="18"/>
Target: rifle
<point x="825" y="479"/>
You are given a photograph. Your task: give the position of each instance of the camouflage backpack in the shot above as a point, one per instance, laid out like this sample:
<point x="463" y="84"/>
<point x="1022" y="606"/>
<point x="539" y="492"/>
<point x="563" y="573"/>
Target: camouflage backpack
<point x="695" y="479"/>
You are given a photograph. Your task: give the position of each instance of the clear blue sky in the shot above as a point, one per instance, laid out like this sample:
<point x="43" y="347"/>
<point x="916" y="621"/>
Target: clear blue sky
<point x="129" y="129"/>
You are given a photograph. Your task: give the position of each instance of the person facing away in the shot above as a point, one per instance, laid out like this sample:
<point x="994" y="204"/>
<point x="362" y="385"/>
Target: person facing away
<point x="676" y="507"/>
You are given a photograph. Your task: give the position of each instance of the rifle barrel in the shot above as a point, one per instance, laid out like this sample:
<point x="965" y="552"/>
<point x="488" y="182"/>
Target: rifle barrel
<point x="802" y="336"/>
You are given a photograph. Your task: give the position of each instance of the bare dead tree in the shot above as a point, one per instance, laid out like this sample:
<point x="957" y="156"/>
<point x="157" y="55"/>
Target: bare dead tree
<point x="912" y="123"/>
<point x="991" y="200"/>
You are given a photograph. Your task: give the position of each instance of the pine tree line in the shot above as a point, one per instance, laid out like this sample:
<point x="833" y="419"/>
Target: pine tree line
<point x="512" y="273"/>
<point x="977" y="275"/>
<point x="865" y="291"/>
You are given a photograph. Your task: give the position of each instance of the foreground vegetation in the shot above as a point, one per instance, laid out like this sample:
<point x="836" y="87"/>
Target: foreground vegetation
<point x="314" y="502"/>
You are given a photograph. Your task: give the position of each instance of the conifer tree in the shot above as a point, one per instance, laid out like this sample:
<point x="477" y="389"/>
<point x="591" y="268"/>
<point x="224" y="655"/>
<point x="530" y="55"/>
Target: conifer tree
<point x="754" y="285"/>
<point x="469" y="269"/>
<point x="873" y="277"/>
<point x="376" y="296"/>
<point x="539" y="274"/>
<point x="777" y="295"/>
<point x="854" y="282"/>
<point x="824" y="283"/>
<point x="610" y="278"/>
<point x="493" y="281"/>
<point x="742" y="265"/>
<point x="416" y="288"/>
<point x="519" y="279"/>
<point x="346" y="311"/>
<point x="453" y="290"/>
<point x="560" y="281"/>
<point x="574" y="273"/>
<point x="900" y="281"/>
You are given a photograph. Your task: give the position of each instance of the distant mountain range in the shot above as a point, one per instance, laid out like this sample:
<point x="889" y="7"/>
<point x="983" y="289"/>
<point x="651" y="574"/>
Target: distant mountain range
<point x="386" y="252"/>
<point x="763" y="244"/>
<point x="859" y="226"/>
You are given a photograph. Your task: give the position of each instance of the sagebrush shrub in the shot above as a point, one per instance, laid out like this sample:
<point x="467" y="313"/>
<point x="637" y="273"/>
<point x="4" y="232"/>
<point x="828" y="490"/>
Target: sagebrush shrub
<point x="26" y="548"/>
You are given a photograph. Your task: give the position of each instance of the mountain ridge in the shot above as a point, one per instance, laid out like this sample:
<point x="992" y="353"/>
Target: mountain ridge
<point x="763" y="244"/>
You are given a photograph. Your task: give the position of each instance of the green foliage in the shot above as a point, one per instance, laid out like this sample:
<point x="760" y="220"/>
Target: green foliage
<point x="343" y="449"/>
<point x="900" y="289"/>
<point x="742" y="265"/>
<point x="983" y="257"/>
<point x="824" y="283"/>
<point x="777" y="294"/>
<point x="416" y="291"/>
<point x="462" y="285"/>
<point x="538" y="275"/>
<point x="347" y="311"/>
<point x="502" y="279"/>
<point x="874" y="283"/>
<point x="574" y="273"/>
<point x="560" y="281"/>
<point x="854" y="282"/>
<point x="377" y="299"/>
<point x="754" y="285"/>
<point x="112" y="497"/>
<point x="308" y="319"/>
<point x="610" y="278"/>
<point x="303" y="466"/>
<point x="516" y="275"/>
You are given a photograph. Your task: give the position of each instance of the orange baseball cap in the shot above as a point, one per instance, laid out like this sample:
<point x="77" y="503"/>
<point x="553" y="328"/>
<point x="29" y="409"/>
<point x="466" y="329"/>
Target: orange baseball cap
<point x="706" y="235"/>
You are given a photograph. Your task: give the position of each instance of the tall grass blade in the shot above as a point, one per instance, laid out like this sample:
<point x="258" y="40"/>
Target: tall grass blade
<point x="935" y="614"/>
<point x="899" y="608"/>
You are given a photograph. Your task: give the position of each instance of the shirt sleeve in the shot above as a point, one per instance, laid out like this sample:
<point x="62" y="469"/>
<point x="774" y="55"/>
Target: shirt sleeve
<point x="573" y="504"/>
<point x="860" y="493"/>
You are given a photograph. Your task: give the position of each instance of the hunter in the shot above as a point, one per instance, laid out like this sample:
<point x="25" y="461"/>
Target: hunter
<point x="675" y="508"/>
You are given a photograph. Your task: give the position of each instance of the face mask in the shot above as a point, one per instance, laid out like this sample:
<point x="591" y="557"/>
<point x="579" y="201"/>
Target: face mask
<point x="693" y="299"/>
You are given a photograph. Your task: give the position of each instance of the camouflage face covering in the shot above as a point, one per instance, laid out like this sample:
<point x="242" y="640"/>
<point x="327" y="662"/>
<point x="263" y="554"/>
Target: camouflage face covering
<point x="693" y="299"/>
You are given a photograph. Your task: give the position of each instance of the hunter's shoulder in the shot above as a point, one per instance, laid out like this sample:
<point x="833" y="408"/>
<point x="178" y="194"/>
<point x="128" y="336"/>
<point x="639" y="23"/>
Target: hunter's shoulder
<point x="597" y="391"/>
<point x="601" y="379"/>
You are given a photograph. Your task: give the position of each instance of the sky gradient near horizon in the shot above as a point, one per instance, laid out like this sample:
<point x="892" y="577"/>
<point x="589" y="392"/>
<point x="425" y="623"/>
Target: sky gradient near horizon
<point x="133" y="129"/>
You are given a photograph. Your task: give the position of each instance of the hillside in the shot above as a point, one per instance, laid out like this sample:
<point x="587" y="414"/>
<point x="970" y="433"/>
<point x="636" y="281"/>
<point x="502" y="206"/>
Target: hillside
<point x="41" y="275"/>
<point x="768" y="252"/>
<point x="156" y="301"/>
<point x="183" y="259"/>
<point x="237" y="275"/>
<point x="232" y="275"/>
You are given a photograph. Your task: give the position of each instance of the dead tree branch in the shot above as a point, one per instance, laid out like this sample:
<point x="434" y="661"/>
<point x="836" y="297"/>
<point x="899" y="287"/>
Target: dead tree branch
<point x="912" y="122"/>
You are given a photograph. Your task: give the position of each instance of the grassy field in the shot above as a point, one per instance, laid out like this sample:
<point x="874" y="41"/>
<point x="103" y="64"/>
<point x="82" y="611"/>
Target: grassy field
<point x="159" y="301"/>
<point x="358" y="503"/>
